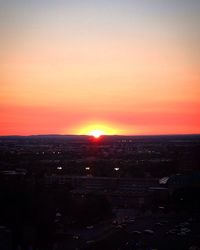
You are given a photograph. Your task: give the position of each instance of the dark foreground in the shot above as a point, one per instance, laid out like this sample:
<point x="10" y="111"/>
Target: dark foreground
<point x="75" y="192"/>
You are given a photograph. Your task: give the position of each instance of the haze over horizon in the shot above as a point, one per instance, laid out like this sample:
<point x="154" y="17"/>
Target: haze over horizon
<point x="120" y="66"/>
<point x="102" y="136"/>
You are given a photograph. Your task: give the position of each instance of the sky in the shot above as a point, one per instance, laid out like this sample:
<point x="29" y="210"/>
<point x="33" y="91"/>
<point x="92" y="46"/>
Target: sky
<point x="122" y="66"/>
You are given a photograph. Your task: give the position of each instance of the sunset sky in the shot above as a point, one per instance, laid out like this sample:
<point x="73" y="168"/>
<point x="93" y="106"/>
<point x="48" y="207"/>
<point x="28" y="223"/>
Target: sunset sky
<point x="121" y="66"/>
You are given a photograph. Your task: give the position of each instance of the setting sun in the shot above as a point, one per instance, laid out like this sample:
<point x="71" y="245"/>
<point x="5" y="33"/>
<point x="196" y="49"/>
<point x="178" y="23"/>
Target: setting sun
<point x="96" y="133"/>
<point x="74" y="64"/>
<point x="98" y="129"/>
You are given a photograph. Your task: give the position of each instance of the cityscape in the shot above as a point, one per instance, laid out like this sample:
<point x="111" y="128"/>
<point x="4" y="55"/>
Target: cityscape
<point x="100" y="125"/>
<point x="110" y="192"/>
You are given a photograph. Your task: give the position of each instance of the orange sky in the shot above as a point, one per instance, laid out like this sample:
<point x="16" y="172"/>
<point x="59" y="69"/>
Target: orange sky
<point x="132" y="68"/>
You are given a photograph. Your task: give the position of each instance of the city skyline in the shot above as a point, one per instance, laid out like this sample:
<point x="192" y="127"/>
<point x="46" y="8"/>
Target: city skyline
<point x="121" y="67"/>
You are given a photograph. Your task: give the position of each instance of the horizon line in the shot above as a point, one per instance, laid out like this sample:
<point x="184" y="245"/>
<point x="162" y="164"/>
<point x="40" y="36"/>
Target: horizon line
<point x="172" y="134"/>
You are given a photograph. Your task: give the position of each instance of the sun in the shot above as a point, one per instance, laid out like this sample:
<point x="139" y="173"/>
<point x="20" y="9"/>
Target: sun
<point x="97" y="130"/>
<point x="96" y="133"/>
